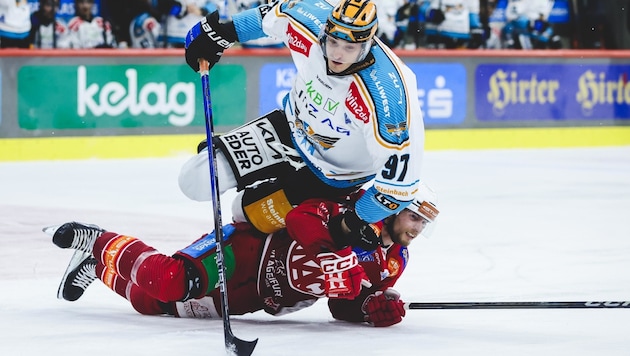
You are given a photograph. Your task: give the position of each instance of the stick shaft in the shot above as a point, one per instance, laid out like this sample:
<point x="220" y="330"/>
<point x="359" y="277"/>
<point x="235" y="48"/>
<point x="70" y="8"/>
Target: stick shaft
<point x="233" y="344"/>
<point x="520" y="305"/>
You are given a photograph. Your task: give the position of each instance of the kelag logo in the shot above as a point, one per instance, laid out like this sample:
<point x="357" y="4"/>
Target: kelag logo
<point x="275" y="82"/>
<point x="441" y="92"/>
<point x="79" y="97"/>
<point x="551" y="92"/>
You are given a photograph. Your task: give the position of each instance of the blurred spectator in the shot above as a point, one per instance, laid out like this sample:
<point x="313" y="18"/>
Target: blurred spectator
<point x="527" y="25"/>
<point x="15" y="24"/>
<point x="453" y="24"/>
<point x="184" y="14"/>
<point x="144" y="31"/>
<point x="409" y="25"/>
<point x="87" y="30"/>
<point x="387" y="25"/>
<point x="491" y="38"/>
<point x="133" y="21"/>
<point x="605" y="24"/>
<point x="46" y="30"/>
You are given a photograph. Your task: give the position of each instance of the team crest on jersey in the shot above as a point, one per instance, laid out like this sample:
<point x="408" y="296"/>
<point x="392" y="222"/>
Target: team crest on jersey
<point x="397" y="129"/>
<point x="326" y="142"/>
<point x="323" y="212"/>
<point x="305" y="276"/>
<point x="356" y="105"/>
<point x="297" y="41"/>
<point x="393" y="266"/>
<point x="269" y="302"/>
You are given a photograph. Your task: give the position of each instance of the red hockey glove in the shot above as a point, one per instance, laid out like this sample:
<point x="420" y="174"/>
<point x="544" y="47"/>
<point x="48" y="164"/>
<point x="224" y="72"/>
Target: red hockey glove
<point x="343" y="274"/>
<point x="384" y="308"/>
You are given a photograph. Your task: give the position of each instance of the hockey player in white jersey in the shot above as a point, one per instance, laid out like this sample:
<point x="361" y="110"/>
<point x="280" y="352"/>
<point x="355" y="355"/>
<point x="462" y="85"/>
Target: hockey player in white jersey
<point x="351" y="117"/>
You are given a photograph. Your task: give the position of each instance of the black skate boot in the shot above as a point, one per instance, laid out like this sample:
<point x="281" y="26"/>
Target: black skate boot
<point x="74" y="235"/>
<point x="81" y="272"/>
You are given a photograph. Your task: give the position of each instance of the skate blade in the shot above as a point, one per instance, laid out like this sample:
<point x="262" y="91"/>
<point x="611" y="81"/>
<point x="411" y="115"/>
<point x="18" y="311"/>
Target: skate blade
<point x="50" y="230"/>
<point x="76" y="260"/>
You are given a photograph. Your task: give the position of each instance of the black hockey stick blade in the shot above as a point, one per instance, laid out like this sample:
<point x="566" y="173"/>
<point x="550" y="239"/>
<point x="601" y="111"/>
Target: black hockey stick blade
<point x="520" y="305"/>
<point x="238" y="347"/>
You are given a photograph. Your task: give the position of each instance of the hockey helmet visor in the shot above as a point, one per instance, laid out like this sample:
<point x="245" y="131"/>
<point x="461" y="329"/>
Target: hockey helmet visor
<point x="425" y="205"/>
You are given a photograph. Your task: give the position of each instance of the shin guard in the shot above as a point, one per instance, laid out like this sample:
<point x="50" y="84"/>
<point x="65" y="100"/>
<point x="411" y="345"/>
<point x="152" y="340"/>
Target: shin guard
<point x="160" y="276"/>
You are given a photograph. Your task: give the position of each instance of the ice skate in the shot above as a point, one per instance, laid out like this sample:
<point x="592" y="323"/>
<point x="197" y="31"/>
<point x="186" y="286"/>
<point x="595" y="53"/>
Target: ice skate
<point x="74" y="235"/>
<point x="81" y="272"/>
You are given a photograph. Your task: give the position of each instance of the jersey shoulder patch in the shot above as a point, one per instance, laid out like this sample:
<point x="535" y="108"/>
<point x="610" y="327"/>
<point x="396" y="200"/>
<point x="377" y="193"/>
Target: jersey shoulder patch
<point x="386" y="87"/>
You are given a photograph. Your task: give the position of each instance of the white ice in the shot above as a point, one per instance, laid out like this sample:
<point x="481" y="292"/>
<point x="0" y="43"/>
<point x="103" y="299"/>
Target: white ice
<point x="515" y="225"/>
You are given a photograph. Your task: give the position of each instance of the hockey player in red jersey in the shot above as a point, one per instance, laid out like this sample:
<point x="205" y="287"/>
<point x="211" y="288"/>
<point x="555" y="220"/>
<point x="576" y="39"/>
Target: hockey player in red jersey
<point x="279" y="273"/>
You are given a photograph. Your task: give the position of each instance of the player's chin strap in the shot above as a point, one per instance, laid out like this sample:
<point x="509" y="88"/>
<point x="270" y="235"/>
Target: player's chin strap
<point x="355" y="67"/>
<point x="519" y="305"/>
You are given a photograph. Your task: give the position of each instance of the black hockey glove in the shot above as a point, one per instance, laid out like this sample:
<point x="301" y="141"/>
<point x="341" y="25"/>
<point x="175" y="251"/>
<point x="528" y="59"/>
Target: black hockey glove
<point x="476" y="38"/>
<point x="436" y="16"/>
<point x="361" y="233"/>
<point x="208" y="39"/>
<point x="202" y="145"/>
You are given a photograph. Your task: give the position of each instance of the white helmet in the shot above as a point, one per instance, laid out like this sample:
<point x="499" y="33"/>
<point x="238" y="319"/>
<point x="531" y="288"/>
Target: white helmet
<point x="425" y="205"/>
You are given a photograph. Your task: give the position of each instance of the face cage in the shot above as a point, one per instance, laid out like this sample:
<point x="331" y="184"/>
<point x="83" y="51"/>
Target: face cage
<point x="365" y="46"/>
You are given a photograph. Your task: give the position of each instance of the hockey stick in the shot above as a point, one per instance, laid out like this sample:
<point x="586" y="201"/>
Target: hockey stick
<point x="519" y="305"/>
<point x="233" y="345"/>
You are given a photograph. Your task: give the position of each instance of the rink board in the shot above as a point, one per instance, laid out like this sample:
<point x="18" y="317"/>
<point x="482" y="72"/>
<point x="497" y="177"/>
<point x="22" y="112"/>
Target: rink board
<point x="26" y="149"/>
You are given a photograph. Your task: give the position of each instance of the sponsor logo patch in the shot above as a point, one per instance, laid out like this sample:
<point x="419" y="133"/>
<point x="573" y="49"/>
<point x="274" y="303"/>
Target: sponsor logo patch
<point x="356" y="105"/>
<point x="253" y="147"/>
<point x="297" y="42"/>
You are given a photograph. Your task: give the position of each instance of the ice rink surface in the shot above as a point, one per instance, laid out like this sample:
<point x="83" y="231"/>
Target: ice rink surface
<point x="515" y="225"/>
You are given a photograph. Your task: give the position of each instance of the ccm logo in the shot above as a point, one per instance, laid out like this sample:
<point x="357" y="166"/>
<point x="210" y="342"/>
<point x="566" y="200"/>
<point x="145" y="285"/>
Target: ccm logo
<point x="607" y="304"/>
<point x="340" y="264"/>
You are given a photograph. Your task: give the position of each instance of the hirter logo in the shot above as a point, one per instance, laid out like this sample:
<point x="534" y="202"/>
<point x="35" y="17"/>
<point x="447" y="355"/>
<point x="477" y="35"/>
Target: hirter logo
<point x="356" y="104"/>
<point x="297" y="42"/>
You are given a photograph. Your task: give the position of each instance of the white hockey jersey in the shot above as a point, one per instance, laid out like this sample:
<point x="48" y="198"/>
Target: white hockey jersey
<point x="51" y="35"/>
<point x="15" y="18"/>
<point x="530" y="9"/>
<point x="352" y="128"/>
<point x="460" y="16"/>
<point x="90" y="34"/>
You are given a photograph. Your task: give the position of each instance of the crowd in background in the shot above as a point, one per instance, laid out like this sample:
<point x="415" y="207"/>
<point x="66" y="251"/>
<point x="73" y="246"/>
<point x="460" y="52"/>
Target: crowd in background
<point x="403" y="24"/>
